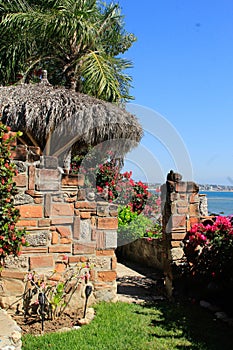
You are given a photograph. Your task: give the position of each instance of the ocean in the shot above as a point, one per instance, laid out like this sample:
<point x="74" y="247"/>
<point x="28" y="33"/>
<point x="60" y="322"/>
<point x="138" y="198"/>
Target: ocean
<point x="220" y="202"/>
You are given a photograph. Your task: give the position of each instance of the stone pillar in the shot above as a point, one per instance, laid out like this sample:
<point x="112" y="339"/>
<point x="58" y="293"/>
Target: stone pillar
<point x="180" y="210"/>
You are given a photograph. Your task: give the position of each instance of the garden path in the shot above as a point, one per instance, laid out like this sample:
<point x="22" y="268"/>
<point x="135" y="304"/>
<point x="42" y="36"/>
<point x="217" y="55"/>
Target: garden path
<point x="138" y="284"/>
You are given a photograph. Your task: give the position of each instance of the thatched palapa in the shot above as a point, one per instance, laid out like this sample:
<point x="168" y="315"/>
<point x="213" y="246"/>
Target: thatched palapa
<point x="55" y="118"/>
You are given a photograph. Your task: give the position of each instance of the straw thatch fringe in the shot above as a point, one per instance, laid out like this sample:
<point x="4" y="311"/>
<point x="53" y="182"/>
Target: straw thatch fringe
<point x="62" y="118"/>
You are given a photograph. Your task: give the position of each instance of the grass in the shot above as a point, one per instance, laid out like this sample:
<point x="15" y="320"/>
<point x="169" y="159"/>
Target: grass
<point x="123" y="326"/>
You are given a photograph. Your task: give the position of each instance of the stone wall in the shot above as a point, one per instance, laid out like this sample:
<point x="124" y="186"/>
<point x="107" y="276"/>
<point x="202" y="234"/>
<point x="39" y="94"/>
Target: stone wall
<point x="66" y="224"/>
<point x="182" y="206"/>
<point x="144" y="251"/>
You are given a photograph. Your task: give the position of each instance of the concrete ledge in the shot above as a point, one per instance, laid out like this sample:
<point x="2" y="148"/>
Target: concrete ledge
<point x="10" y="333"/>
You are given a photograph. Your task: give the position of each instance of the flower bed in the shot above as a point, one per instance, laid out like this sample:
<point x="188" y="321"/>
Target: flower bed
<point x="208" y="249"/>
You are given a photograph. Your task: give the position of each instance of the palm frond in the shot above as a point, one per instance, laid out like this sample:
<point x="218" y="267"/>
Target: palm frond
<point x="103" y="77"/>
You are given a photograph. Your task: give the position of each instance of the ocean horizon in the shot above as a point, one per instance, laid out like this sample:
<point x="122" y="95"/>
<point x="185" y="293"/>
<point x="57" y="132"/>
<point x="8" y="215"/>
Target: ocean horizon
<point x="219" y="202"/>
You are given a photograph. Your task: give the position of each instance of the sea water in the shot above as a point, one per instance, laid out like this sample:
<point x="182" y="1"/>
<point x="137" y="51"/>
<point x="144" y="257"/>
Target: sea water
<point x="219" y="202"/>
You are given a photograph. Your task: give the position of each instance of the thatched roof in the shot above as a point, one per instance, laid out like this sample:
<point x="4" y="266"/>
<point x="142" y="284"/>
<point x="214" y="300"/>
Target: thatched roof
<point x="66" y="118"/>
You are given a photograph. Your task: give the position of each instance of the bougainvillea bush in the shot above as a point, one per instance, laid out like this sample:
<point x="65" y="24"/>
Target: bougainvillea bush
<point x="104" y="173"/>
<point x="139" y="210"/>
<point x="11" y="238"/>
<point x="209" y="252"/>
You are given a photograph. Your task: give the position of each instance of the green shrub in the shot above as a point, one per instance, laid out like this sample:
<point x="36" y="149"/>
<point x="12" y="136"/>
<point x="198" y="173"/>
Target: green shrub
<point x="132" y="225"/>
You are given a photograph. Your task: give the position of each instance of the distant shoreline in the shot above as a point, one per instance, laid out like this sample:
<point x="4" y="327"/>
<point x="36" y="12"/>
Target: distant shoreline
<point x="155" y="189"/>
<point x="216" y="191"/>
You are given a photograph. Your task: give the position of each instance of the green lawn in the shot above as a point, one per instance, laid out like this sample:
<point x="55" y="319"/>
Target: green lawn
<point x="124" y="326"/>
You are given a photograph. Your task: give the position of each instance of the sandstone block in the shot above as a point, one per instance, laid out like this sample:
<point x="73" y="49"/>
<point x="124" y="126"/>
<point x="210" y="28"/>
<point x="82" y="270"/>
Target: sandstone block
<point x="85" y="215"/>
<point x="48" y="180"/>
<point x="85" y="205"/>
<point x="27" y="223"/>
<point x="76" y="227"/>
<point x="62" y="220"/>
<point x="73" y="180"/>
<point x="194" y="209"/>
<point x="13" y="287"/>
<point x="65" y="240"/>
<point x="181" y="186"/>
<point x="55" y="237"/>
<point x="178" y="221"/>
<point x="44" y="261"/>
<point x="182" y="210"/>
<point x="31" y="211"/>
<point x="106" y="252"/>
<point x="60" y="267"/>
<point x="50" y="162"/>
<point x="107" y="276"/>
<point x="178" y="236"/>
<point x="64" y="231"/>
<point x="31" y="177"/>
<point x="44" y="222"/>
<point x="76" y="259"/>
<point x="81" y="195"/>
<point x="60" y="249"/>
<point x="34" y="250"/>
<point x="20" y="180"/>
<point x="100" y="240"/>
<point x="109" y="223"/>
<point x="62" y="209"/>
<point x="87" y="248"/>
<point x="19" y="275"/>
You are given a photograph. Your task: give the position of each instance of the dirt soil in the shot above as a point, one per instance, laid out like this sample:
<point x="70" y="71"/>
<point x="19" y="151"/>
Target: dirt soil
<point x="135" y="285"/>
<point x="33" y="325"/>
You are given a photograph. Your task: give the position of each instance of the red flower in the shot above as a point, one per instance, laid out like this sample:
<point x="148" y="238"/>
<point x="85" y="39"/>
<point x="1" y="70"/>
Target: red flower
<point x="5" y="137"/>
<point x="99" y="189"/>
<point x="23" y="240"/>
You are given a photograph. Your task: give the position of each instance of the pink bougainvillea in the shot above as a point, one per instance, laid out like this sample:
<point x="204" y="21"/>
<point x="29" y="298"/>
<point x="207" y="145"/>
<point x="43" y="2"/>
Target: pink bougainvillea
<point x="209" y="250"/>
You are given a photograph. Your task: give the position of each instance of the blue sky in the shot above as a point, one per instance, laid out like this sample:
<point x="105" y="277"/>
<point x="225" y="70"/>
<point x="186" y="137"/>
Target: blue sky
<point x="183" y="70"/>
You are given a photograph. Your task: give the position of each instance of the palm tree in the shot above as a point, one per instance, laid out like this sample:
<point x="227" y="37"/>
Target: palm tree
<point x="79" y="42"/>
